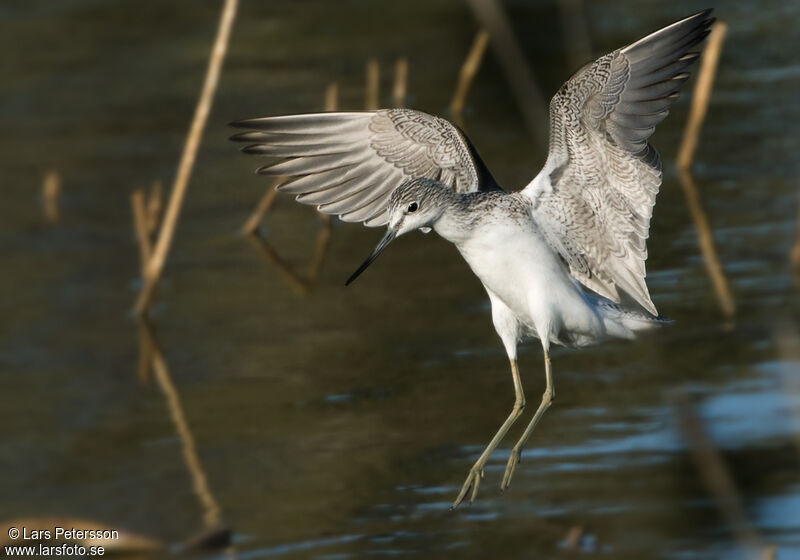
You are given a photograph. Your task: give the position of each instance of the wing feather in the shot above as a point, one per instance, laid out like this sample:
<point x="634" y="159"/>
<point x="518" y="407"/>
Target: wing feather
<point x="594" y="198"/>
<point x="348" y="164"/>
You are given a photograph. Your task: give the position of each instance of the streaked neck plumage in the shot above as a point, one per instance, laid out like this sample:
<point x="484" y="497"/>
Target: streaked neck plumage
<point x="463" y="213"/>
<point x="457" y="220"/>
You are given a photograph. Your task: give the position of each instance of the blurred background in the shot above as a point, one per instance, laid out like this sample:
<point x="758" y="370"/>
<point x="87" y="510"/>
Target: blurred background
<point x="319" y="422"/>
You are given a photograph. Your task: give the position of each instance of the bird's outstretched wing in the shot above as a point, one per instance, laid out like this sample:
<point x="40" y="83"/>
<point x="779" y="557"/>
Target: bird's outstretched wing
<point x="595" y="195"/>
<point x="348" y="164"/>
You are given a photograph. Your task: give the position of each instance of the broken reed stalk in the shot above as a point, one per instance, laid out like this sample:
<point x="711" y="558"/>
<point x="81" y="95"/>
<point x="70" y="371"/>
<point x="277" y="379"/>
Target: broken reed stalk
<point x="705" y="238"/>
<point x="717" y="478"/>
<point x="145" y="355"/>
<point x="264" y="205"/>
<point x="154" y="205"/>
<point x="371" y="98"/>
<point x="468" y="71"/>
<point x="140" y="228"/>
<point x="159" y="256"/>
<point x="332" y="96"/>
<point x="51" y="188"/>
<point x="701" y="95"/>
<point x="211" y="515"/>
<point x="576" y="35"/>
<point x="400" y="82"/>
<point x="520" y="78"/>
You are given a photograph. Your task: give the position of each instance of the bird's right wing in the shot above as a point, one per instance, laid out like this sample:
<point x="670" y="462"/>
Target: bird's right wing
<point x="595" y="195"/>
<point x="348" y="164"/>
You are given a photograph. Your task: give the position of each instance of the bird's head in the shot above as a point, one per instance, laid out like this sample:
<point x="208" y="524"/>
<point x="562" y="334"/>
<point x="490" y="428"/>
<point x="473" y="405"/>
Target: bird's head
<point x="416" y="204"/>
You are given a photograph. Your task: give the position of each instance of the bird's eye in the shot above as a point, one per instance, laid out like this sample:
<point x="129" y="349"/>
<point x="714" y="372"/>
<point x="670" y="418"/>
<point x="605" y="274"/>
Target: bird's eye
<point x="412" y="207"/>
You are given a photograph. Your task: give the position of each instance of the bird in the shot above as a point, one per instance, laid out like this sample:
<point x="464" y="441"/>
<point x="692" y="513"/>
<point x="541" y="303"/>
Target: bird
<point x="563" y="259"/>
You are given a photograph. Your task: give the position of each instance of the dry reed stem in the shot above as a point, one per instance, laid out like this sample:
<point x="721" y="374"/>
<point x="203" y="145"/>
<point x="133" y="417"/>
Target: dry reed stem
<point x="576" y="35"/>
<point x="520" y="78"/>
<point x="400" y="82"/>
<point x="468" y="71"/>
<point x="332" y="96"/>
<point x="140" y="228"/>
<point x="717" y="478"/>
<point x="371" y="97"/>
<point x="705" y="238"/>
<point x="154" y="205"/>
<point x="264" y="205"/>
<point x="701" y="95"/>
<point x="158" y="258"/>
<point x="51" y="188"/>
<point x="145" y="355"/>
<point x="211" y="510"/>
<point x="142" y="232"/>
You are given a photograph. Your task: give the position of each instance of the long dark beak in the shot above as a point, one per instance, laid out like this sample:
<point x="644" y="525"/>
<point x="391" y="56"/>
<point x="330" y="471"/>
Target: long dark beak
<point x="390" y="234"/>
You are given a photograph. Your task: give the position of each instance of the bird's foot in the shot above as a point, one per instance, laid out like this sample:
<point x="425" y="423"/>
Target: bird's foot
<point x="473" y="481"/>
<point x="513" y="460"/>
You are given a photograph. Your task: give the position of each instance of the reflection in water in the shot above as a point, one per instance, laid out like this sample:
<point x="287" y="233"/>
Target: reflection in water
<point x="787" y="337"/>
<point x="794" y="256"/>
<point x="717" y="478"/>
<point x="211" y="512"/>
<point x="708" y="249"/>
<point x="691" y="134"/>
<point x="150" y="357"/>
<point x="301" y="282"/>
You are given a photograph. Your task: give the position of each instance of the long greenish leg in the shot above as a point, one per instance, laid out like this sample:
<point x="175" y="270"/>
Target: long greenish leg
<point x="547" y="399"/>
<point x="476" y="472"/>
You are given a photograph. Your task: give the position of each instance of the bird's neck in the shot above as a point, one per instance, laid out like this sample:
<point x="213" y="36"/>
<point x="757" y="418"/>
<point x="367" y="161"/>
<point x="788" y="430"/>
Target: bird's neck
<point x="457" y="221"/>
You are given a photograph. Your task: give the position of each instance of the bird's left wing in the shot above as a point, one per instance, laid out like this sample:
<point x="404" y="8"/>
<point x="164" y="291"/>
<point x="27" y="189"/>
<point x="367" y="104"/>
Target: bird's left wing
<point x="348" y="164"/>
<point x="595" y="195"/>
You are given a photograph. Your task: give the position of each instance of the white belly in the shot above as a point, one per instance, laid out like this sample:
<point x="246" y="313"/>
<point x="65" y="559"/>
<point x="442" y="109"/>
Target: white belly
<point x="516" y="265"/>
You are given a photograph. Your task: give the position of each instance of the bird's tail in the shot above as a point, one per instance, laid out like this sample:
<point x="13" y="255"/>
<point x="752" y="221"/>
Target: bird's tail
<point x="623" y="322"/>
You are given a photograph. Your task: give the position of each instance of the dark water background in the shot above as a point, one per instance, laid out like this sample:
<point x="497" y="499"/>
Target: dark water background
<point x="341" y="424"/>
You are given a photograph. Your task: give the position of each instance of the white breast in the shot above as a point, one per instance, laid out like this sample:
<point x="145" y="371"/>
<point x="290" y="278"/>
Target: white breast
<point x="514" y="262"/>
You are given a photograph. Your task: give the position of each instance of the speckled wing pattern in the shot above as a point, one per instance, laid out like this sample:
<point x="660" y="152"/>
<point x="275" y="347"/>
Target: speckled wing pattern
<point x="595" y="195"/>
<point x="347" y="164"/>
